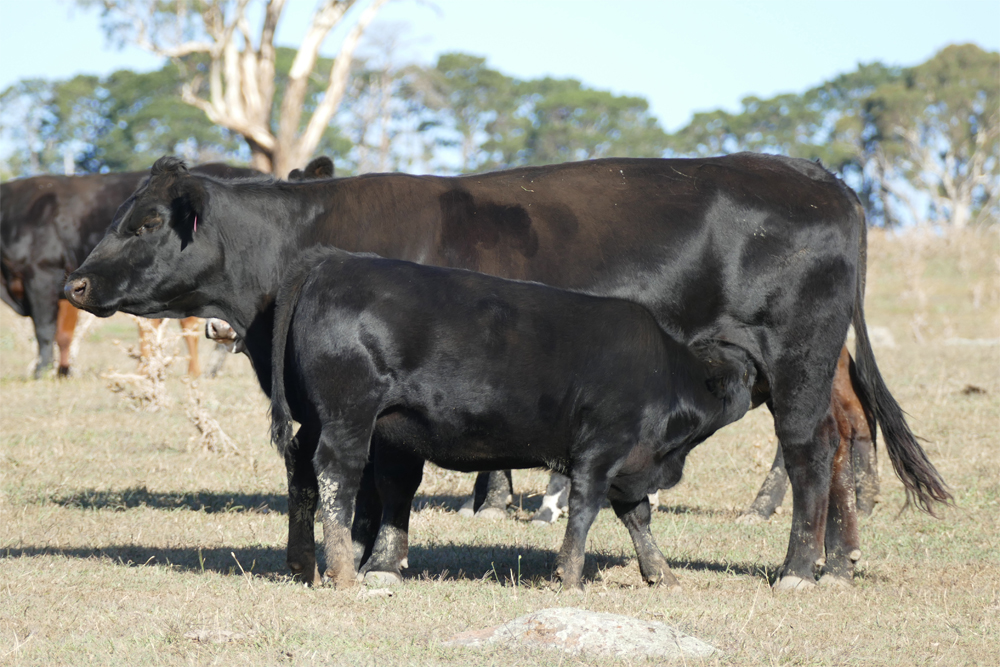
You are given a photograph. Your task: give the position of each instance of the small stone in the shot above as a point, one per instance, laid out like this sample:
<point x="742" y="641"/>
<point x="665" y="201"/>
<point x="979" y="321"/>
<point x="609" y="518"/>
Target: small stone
<point x="574" y="630"/>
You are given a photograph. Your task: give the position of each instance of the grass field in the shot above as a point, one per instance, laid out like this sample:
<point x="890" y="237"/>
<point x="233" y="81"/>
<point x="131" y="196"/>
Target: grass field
<point x="124" y="541"/>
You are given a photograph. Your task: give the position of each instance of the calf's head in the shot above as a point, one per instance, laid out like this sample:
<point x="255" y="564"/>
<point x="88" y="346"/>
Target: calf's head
<point x="157" y="252"/>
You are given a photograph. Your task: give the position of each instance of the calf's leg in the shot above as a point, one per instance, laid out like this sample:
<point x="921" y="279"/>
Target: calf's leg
<point x="397" y="478"/>
<point x="587" y="491"/>
<point x="303" y="495"/>
<point x="652" y="564"/>
<point x="339" y="462"/>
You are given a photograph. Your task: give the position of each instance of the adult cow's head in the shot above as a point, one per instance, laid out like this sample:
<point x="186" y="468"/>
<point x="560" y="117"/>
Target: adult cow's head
<point x="151" y="261"/>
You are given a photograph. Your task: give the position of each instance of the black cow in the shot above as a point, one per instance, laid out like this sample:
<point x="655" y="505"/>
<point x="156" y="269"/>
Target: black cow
<point x="762" y="252"/>
<point x="474" y="372"/>
<point x="48" y="225"/>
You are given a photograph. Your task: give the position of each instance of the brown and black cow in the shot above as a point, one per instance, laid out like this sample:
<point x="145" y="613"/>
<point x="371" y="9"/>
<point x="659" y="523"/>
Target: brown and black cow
<point x="48" y="225"/>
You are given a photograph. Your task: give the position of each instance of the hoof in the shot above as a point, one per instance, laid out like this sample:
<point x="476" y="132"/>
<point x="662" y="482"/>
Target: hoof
<point x="382" y="579"/>
<point x="544" y="517"/>
<point x="64" y="371"/>
<point x="491" y="513"/>
<point x="833" y="581"/>
<point x="793" y="583"/>
<point x="340" y="580"/>
<point x="571" y="589"/>
<point x="298" y="574"/>
<point x="468" y="508"/>
<point x="750" y="519"/>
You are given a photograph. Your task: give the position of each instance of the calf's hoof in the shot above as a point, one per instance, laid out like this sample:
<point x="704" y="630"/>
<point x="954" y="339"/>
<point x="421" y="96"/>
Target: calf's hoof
<point x="491" y="513"/>
<point x="793" y="583"/>
<point x="64" y="371"/>
<point x="382" y="579"/>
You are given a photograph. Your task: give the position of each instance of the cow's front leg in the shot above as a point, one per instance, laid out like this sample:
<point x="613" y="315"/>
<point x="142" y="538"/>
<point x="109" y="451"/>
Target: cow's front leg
<point x="585" y="496"/>
<point x="339" y="462"/>
<point x="652" y="564"/>
<point x="303" y="494"/>
<point x="397" y="477"/>
<point x="65" y="326"/>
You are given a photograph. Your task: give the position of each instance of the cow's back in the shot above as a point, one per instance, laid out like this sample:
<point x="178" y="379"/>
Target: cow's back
<point x="710" y="246"/>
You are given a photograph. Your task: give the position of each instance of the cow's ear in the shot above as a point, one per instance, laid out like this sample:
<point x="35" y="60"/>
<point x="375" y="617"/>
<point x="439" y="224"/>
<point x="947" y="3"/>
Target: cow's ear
<point x="188" y="206"/>
<point x="168" y="164"/>
<point x="295" y="175"/>
<point x="321" y="167"/>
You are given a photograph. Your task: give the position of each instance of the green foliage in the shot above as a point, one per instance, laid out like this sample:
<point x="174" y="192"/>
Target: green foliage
<point x="121" y="122"/>
<point x="496" y="121"/>
<point x="892" y="133"/>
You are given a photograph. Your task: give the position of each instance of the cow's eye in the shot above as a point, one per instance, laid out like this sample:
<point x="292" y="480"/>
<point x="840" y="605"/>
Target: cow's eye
<point x="148" y="225"/>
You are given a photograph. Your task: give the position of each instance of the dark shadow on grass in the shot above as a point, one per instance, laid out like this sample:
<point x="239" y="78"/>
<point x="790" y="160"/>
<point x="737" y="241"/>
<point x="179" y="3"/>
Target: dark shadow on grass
<point x="696" y="511"/>
<point x="529" y="502"/>
<point x="505" y="564"/>
<point x="259" y="560"/>
<point x="754" y="570"/>
<point x="199" y="501"/>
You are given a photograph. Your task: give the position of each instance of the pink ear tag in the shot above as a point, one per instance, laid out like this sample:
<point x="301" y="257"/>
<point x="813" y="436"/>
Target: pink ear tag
<point x="195" y="225"/>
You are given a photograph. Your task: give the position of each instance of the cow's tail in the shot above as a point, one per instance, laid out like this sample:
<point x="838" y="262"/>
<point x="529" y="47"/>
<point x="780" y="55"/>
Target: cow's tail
<point x="287" y="299"/>
<point x="923" y="483"/>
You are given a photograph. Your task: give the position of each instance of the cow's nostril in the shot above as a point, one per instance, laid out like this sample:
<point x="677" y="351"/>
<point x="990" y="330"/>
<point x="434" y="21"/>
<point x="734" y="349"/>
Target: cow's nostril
<point x="78" y="289"/>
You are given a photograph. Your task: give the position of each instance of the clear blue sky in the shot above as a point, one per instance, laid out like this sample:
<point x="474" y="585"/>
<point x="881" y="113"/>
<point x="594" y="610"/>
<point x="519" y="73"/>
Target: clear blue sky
<point x="683" y="56"/>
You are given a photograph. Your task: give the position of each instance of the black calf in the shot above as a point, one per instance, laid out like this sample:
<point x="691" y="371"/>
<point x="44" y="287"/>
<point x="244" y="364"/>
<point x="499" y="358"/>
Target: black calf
<point x="474" y="372"/>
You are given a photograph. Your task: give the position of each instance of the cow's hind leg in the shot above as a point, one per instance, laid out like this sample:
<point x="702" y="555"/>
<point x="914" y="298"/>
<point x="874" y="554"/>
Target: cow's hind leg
<point x="339" y="462"/>
<point x="303" y="495"/>
<point x="771" y="493"/>
<point x="42" y="293"/>
<point x="842" y="539"/>
<point x="555" y="501"/>
<point x="809" y="464"/>
<point x="863" y="459"/>
<point x="491" y="494"/>
<point x="397" y="477"/>
<point x="652" y="564"/>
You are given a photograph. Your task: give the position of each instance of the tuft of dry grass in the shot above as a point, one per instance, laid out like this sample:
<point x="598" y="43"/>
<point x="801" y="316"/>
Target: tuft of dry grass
<point x="121" y="544"/>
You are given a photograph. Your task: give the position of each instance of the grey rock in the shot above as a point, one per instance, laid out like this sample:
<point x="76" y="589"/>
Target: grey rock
<point x="579" y="631"/>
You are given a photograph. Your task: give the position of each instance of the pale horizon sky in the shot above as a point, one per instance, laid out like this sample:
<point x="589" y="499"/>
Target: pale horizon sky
<point x="683" y="57"/>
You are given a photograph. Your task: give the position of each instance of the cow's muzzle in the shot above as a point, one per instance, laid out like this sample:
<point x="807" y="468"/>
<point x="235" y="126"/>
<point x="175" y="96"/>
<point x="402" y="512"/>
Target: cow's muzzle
<point x="78" y="291"/>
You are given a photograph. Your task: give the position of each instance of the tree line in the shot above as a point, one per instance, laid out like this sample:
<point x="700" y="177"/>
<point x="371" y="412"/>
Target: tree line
<point x="919" y="144"/>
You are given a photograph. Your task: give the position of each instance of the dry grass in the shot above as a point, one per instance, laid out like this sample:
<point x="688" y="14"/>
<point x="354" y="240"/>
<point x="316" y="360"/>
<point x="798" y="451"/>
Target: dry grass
<point x="122" y="544"/>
